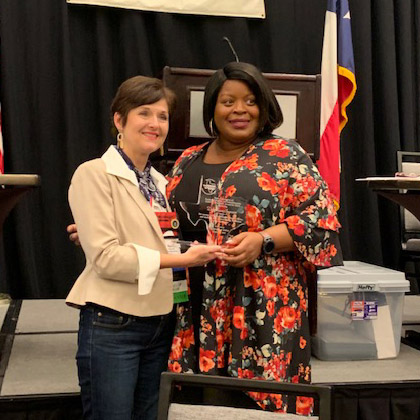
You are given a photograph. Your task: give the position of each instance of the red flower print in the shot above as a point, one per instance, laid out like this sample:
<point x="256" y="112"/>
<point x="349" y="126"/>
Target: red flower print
<point x="176" y="349"/>
<point x="267" y="183"/>
<point x="285" y="192"/>
<point x="276" y="367"/>
<point x="230" y="191"/>
<point x="251" y="278"/>
<point x="299" y="230"/>
<point x="277" y="324"/>
<point x="175" y="367"/>
<point x="245" y="373"/>
<point x="218" y="310"/>
<point x="294" y="222"/>
<point x="244" y="333"/>
<point x="277" y="147"/>
<point x="239" y="317"/>
<point x="304" y="405"/>
<point x="228" y="333"/>
<point x="191" y="150"/>
<point x="283" y="292"/>
<point x="282" y="215"/>
<point x="289" y="269"/>
<point x="234" y="166"/>
<point x="323" y="258"/>
<point x="172" y="184"/>
<point x="253" y="217"/>
<point x="269" y="287"/>
<point x="277" y="399"/>
<point x="251" y="162"/>
<point x="284" y="282"/>
<point x="258" y="396"/>
<point x="307" y="185"/>
<point x="270" y="307"/>
<point x="188" y="337"/>
<point x="220" y="267"/>
<point x="302" y="343"/>
<point x="220" y="340"/>
<point x="206" y="360"/>
<point x="286" y="318"/>
<point x="330" y="223"/>
<point x="220" y="361"/>
<point x="205" y="326"/>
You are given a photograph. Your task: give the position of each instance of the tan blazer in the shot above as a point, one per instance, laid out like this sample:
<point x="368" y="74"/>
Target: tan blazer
<point x="121" y="238"/>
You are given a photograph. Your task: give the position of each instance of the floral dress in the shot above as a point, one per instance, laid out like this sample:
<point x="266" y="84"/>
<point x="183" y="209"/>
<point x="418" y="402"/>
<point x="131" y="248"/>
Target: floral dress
<point x="254" y="320"/>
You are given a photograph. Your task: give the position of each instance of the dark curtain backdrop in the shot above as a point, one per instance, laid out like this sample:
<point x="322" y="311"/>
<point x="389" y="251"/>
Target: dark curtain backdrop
<point x="61" y="64"/>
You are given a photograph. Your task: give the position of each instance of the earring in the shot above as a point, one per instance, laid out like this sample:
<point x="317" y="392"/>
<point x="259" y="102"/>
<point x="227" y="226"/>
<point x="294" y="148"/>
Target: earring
<point x="120" y="141"/>
<point x="213" y="129"/>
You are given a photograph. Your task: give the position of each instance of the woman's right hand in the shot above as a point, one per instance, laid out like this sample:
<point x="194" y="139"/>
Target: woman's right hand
<point x="73" y="235"/>
<point x="202" y="254"/>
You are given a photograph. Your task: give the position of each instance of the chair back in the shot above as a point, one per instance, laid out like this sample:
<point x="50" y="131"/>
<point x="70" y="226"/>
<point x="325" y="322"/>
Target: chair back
<point x="409" y="162"/>
<point x="170" y="411"/>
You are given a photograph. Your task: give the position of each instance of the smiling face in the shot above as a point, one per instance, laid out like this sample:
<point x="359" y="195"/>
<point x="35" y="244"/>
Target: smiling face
<point x="236" y="114"/>
<point x="145" y="129"/>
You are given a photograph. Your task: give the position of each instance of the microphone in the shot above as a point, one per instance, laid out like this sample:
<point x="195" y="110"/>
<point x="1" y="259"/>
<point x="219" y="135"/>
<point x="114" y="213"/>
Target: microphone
<point x="225" y="38"/>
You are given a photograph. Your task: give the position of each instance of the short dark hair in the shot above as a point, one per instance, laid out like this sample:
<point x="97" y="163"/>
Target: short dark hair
<point x="271" y="116"/>
<point x="137" y="91"/>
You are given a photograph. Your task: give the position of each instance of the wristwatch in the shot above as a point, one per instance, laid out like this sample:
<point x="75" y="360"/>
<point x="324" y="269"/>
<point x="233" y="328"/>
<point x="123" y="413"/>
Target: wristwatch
<point x="268" y="243"/>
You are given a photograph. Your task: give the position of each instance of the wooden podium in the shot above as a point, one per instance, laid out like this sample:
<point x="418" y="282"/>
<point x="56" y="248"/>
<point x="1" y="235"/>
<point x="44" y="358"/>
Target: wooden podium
<point x="12" y="188"/>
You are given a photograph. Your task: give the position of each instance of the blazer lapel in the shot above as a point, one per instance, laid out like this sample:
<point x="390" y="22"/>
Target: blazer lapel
<point x="143" y="204"/>
<point x="116" y="166"/>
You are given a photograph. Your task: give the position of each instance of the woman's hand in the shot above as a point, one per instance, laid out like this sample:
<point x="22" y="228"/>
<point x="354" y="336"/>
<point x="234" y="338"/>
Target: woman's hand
<point x="73" y="235"/>
<point x="202" y="254"/>
<point x="243" y="249"/>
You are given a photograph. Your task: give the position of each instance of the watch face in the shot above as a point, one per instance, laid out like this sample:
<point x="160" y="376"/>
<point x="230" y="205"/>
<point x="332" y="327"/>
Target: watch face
<point x="268" y="246"/>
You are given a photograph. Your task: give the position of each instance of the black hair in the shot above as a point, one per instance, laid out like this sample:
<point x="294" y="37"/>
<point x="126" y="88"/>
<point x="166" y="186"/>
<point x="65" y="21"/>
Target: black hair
<point x="271" y="116"/>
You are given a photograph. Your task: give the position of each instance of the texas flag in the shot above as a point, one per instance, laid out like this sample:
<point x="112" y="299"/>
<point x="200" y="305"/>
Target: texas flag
<point x="337" y="90"/>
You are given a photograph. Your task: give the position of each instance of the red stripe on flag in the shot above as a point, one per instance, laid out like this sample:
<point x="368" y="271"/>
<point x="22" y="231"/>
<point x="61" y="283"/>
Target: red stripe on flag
<point x="329" y="152"/>
<point x="338" y="89"/>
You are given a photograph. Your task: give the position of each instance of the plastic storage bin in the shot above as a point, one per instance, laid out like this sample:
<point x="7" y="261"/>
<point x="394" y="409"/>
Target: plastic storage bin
<point x="360" y="309"/>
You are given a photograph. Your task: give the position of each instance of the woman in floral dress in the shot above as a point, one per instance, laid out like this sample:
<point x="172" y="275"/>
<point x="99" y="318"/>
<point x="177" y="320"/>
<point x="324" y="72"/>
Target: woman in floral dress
<point x="261" y="197"/>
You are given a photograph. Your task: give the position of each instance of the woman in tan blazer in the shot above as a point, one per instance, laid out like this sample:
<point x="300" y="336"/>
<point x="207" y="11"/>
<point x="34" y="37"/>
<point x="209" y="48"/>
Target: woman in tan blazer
<point x="125" y="292"/>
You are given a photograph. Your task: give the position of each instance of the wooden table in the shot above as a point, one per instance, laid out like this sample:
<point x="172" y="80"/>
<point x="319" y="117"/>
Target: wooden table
<point x="401" y="190"/>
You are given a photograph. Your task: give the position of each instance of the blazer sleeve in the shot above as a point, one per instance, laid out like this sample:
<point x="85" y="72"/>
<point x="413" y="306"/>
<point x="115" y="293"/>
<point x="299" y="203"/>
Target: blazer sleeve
<point x="93" y="210"/>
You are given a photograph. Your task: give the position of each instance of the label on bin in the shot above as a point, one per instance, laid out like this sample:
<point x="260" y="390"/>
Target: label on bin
<point x="357" y="310"/>
<point x="364" y="309"/>
<point x="371" y="309"/>
<point x="365" y="287"/>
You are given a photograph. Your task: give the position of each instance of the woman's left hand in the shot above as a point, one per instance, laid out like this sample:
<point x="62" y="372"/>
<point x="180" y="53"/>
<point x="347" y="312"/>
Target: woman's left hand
<point x="242" y="249"/>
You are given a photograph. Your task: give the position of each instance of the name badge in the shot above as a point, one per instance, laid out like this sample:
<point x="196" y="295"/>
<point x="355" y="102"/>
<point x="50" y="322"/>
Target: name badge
<point x="168" y="221"/>
<point x="180" y="285"/>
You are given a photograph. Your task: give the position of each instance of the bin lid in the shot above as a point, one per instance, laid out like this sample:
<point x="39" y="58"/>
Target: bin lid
<point x="357" y="276"/>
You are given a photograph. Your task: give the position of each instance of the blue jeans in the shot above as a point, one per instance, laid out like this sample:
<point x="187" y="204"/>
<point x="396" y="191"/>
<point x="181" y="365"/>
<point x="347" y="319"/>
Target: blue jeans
<point x="119" y="359"/>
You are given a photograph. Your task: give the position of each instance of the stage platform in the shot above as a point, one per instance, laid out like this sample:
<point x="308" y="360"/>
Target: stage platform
<point x="38" y="370"/>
